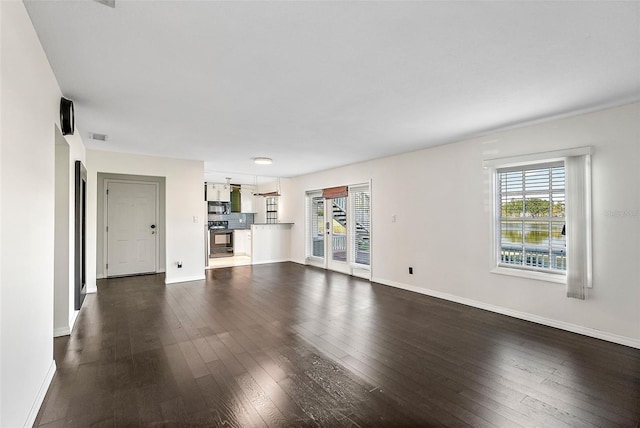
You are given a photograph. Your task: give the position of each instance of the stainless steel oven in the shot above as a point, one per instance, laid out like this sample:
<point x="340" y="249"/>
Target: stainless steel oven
<point x="221" y="239"/>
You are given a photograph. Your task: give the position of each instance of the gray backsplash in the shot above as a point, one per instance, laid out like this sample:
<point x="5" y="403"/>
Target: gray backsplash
<point x="236" y="220"/>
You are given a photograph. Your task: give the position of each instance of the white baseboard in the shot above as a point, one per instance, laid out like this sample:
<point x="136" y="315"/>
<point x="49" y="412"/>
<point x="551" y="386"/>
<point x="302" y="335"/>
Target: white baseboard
<point x="184" y="279"/>
<point x="66" y="331"/>
<point x="74" y="318"/>
<point x="264" y="262"/>
<point x="33" y="413"/>
<point x="92" y="290"/>
<point x="574" y="328"/>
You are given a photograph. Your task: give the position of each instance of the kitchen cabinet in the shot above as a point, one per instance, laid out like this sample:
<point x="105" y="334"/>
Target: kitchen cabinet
<point x="247" y="241"/>
<point x="242" y="242"/>
<point x="218" y="192"/>
<point x="246" y="198"/>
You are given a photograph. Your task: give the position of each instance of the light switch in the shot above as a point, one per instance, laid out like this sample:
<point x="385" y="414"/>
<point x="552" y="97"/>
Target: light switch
<point x="195" y="218"/>
<point x="393" y="218"/>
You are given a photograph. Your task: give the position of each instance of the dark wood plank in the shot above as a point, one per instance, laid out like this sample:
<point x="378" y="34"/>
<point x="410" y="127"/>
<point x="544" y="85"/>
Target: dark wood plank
<point x="289" y="345"/>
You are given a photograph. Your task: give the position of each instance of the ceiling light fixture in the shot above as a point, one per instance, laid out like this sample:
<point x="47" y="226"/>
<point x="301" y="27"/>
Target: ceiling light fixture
<point x="262" y="161"/>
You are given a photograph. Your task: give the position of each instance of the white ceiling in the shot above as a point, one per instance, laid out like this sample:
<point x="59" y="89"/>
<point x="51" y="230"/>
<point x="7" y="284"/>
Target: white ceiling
<point x="316" y="85"/>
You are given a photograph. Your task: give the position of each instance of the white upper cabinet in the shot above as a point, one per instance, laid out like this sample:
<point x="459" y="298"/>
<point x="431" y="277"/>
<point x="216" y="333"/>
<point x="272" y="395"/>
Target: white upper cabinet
<point x="246" y="198"/>
<point x="217" y="192"/>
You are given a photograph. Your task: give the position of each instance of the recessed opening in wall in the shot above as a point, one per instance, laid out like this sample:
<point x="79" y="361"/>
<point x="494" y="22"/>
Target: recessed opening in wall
<point x="140" y="194"/>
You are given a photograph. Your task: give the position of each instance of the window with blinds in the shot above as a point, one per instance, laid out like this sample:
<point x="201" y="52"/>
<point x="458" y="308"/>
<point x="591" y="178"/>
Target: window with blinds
<point x="531" y="217"/>
<point x="316" y="226"/>
<point x="361" y="225"/>
<point x="271" y="213"/>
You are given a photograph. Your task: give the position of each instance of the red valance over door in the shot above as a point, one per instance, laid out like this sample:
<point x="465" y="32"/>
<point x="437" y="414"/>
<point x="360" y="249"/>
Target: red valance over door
<point x="335" y="192"/>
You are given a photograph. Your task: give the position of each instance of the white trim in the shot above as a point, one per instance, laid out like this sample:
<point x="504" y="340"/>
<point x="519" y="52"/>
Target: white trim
<point x="92" y="290"/>
<point x="532" y="158"/>
<point x="361" y="273"/>
<point x="105" y="222"/>
<point x="531" y="274"/>
<point x="314" y="261"/>
<point x="72" y="321"/>
<point x="184" y="279"/>
<point x="371" y="227"/>
<point x="264" y="262"/>
<point x="66" y="331"/>
<point x="61" y="331"/>
<point x="42" y="392"/>
<point x="574" y="328"/>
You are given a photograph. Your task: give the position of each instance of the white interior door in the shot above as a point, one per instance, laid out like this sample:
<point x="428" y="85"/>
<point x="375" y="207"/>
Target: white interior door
<point x="132" y="228"/>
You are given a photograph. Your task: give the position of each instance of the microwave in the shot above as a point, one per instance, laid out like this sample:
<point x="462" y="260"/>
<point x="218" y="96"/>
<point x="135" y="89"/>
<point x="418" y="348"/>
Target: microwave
<point x="219" y="208"/>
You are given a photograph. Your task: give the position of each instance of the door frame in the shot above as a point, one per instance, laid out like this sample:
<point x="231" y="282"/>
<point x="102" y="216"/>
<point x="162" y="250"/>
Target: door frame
<point x="105" y="240"/>
<point x="350" y="268"/>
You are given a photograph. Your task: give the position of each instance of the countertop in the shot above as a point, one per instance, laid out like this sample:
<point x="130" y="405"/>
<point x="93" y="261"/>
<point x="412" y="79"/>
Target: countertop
<point x="272" y="224"/>
<point x="228" y="230"/>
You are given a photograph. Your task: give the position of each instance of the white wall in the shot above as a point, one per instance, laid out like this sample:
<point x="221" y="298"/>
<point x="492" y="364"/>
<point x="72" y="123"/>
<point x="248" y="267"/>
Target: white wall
<point x="442" y="199"/>
<point x="68" y="150"/>
<point x="62" y="274"/>
<point x="184" y="195"/>
<point x="30" y="99"/>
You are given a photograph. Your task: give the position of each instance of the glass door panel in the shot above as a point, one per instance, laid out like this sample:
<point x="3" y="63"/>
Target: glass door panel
<point x="360" y="225"/>
<point x="317" y="227"/>
<point x="337" y="212"/>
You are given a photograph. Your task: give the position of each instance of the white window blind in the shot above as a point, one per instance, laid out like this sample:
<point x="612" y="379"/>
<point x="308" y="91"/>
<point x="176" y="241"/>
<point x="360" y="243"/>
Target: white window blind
<point x="531" y="217"/>
<point x="360" y="225"/>
<point x="316" y="226"/>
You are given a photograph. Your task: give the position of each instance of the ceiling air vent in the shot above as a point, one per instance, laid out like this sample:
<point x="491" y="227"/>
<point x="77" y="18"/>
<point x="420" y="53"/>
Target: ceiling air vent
<point x="98" y="137"/>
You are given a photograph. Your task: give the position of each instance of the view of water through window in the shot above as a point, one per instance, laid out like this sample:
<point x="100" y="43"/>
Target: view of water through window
<point x="532" y="217"/>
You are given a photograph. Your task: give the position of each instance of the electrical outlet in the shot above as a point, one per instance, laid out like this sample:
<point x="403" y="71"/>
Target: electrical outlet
<point x="410" y="270"/>
<point x="179" y="265"/>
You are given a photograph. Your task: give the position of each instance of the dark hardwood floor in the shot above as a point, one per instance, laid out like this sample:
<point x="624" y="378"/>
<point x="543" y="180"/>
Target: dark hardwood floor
<point x="289" y="345"/>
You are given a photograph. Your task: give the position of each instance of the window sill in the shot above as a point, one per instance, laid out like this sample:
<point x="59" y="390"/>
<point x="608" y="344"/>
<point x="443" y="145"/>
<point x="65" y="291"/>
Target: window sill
<point x="538" y="276"/>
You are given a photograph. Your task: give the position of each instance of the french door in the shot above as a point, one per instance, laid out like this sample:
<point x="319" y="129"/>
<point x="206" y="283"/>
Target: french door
<point x="339" y="230"/>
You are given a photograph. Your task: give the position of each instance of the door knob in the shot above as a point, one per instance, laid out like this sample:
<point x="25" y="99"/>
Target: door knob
<point x="153" y="226"/>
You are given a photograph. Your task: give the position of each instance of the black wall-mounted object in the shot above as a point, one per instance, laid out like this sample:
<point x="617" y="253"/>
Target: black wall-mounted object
<point x="80" y="230"/>
<point x="67" y="116"/>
